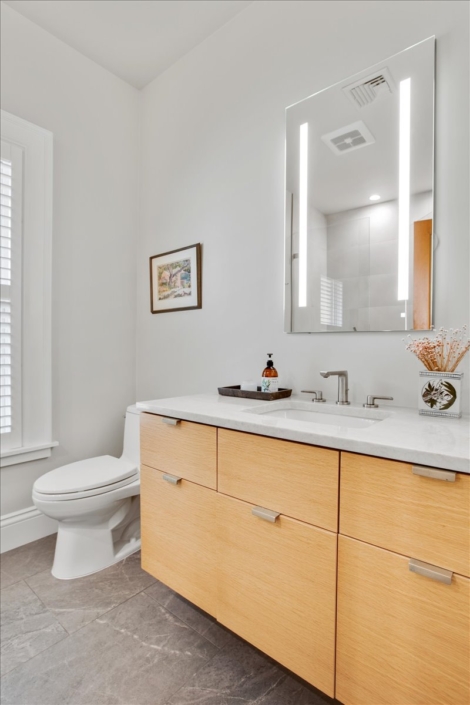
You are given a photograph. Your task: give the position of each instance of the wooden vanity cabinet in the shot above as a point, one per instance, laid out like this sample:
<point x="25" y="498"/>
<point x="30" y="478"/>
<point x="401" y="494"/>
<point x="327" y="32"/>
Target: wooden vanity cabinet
<point x="245" y="527"/>
<point x="403" y="614"/>
<point x="295" y="479"/>
<point x="271" y="582"/>
<point x="277" y="588"/>
<point x="178" y="506"/>
<point x="402" y="638"/>
<point x="182" y="448"/>
<point x="179" y="539"/>
<point x="416" y="511"/>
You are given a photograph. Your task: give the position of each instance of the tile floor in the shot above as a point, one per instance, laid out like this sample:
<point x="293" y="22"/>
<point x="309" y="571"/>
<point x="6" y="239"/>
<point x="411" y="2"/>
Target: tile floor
<point x="120" y="637"/>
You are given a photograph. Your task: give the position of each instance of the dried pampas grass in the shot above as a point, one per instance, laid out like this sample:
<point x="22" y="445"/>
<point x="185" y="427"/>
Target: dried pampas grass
<point x="445" y="352"/>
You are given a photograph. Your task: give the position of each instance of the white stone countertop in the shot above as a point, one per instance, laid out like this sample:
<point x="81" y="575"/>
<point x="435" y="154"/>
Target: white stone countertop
<point x="402" y="434"/>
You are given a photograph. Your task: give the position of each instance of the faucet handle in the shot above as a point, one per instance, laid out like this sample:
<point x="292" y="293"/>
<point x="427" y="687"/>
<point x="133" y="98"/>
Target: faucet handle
<point x="318" y="395"/>
<point x="370" y="403"/>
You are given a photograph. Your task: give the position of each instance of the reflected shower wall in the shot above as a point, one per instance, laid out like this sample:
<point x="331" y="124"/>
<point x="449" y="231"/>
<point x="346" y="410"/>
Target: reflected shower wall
<point x="347" y="291"/>
<point x="374" y="305"/>
<point x="352" y="268"/>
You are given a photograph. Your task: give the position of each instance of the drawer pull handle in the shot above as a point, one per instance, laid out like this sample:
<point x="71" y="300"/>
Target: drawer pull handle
<point x="434" y="473"/>
<point x="430" y="571"/>
<point x="170" y="421"/>
<point x="172" y="479"/>
<point x="265" y="514"/>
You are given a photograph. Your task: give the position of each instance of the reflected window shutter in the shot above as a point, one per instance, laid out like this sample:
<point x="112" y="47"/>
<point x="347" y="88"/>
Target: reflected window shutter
<point x="331" y="302"/>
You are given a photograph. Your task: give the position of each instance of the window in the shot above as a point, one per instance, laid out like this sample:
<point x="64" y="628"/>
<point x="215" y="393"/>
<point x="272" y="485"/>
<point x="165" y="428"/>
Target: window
<point x="25" y="297"/>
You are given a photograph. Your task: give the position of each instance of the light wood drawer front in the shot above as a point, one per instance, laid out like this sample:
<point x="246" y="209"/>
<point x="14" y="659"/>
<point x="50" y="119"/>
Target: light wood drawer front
<point x="297" y="480"/>
<point x="186" y="449"/>
<point x="277" y="589"/>
<point x="179" y="540"/>
<point x="403" y="639"/>
<point x="384" y="503"/>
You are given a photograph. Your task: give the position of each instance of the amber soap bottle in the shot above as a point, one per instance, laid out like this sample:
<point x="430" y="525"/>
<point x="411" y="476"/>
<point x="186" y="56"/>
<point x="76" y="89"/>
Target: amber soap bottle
<point x="270" y="378"/>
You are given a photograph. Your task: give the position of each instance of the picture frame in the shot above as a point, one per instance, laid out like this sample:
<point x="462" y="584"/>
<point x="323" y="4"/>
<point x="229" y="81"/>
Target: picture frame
<point x="176" y="280"/>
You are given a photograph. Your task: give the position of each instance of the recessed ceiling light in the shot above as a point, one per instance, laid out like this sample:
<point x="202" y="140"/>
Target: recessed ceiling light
<point x="375" y="197"/>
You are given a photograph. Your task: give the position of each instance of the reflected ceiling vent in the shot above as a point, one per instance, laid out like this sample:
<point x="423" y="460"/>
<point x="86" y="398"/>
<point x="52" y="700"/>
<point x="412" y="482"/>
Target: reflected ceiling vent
<point x="368" y="89"/>
<point x="348" y="138"/>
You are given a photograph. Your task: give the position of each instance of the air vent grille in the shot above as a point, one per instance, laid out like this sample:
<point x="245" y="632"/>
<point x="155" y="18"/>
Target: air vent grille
<point x="348" y="138"/>
<point x="368" y="89"/>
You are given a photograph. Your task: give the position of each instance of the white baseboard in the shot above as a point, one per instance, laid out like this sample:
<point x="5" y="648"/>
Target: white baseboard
<point x="24" y="526"/>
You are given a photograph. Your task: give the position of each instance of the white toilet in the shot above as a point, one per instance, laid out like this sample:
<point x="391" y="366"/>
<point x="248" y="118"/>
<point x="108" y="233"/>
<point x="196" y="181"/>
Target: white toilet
<point x="97" y="505"/>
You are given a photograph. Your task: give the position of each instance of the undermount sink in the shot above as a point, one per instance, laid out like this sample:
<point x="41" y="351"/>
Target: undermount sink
<point x="342" y="417"/>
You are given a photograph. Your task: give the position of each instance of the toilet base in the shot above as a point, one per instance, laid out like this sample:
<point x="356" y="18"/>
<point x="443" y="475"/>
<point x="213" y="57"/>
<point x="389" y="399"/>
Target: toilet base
<point x="129" y="550"/>
<point x="84" y="548"/>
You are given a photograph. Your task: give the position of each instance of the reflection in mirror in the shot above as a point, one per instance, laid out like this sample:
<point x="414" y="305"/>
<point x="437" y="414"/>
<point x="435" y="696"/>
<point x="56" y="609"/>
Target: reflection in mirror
<point x="359" y="200"/>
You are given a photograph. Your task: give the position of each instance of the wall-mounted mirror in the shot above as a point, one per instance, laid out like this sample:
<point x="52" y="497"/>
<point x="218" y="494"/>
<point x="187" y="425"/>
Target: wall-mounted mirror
<point x="359" y="200"/>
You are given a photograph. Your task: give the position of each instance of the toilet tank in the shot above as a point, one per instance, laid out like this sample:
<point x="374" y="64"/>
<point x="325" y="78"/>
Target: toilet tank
<point x="131" y="449"/>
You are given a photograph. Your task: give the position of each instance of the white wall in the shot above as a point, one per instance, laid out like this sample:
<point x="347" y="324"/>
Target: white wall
<point x="95" y="118"/>
<point x="213" y="172"/>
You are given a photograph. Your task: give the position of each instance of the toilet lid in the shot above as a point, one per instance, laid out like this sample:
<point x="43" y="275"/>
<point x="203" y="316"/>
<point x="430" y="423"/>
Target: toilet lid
<point x="86" y="475"/>
<point x="109" y="489"/>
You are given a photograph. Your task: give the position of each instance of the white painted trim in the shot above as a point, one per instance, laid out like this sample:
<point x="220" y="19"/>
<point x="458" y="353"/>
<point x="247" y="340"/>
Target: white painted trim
<point x="27" y="453"/>
<point x="24" y="526"/>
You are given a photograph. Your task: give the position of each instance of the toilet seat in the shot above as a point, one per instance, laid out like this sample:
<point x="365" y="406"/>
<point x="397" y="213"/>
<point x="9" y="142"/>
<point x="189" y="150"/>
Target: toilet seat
<point x="86" y="478"/>
<point x="70" y="496"/>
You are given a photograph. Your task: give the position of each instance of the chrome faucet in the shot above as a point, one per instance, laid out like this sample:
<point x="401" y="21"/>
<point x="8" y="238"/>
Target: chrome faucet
<point x="342" y="384"/>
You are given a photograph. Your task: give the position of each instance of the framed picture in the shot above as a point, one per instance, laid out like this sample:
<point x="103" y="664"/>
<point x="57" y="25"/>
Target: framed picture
<point x="175" y="280"/>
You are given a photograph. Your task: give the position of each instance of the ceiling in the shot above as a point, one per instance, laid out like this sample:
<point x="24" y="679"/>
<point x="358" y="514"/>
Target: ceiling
<point x="135" y="39"/>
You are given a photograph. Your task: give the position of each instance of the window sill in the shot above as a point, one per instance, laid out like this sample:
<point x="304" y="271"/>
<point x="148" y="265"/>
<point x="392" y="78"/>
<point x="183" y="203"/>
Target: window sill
<point x="27" y="453"/>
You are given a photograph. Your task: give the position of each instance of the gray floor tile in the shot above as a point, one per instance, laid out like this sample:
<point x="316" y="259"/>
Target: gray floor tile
<point x="25" y="561"/>
<point x="203" y="623"/>
<point x="27" y="628"/>
<point x="194" y="696"/>
<point x="239" y="674"/>
<point x="75" y="603"/>
<point x="146" y="645"/>
<point x="136" y="654"/>
<point x="292" y="692"/>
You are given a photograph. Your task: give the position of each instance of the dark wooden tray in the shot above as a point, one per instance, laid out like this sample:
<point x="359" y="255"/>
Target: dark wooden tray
<point x="235" y="391"/>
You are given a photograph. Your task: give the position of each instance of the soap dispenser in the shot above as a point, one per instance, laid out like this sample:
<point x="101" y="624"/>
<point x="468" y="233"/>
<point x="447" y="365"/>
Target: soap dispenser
<point x="270" y="378"/>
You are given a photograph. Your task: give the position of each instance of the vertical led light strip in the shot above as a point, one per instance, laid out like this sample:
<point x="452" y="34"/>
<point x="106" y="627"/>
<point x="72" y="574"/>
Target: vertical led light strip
<point x="404" y="190"/>
<point x="303" y="200"/>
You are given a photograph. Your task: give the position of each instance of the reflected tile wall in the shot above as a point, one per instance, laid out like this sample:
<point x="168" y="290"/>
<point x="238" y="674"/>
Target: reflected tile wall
<point x="359" y="248"/>
<point x="349" y="262"/>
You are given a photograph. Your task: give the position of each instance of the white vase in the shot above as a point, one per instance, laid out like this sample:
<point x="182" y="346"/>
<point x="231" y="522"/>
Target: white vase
<point x="439" y="393"/>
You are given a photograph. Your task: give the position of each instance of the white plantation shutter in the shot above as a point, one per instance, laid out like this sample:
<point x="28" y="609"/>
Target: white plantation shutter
<point x="331" y="302"/>
<point x="5" y="298"/>
<point x="10" y="295"/>
<point x="25" y="297"/>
